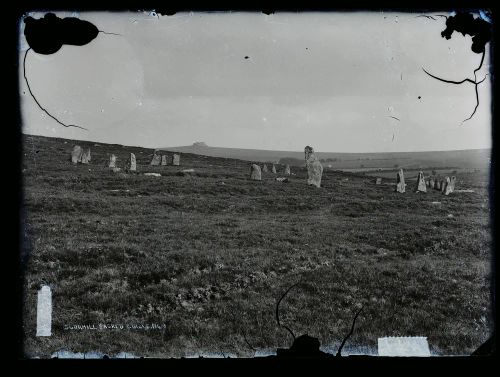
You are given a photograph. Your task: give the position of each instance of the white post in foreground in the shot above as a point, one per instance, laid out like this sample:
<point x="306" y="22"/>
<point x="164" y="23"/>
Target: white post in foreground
<point x="44" y="312"/>
<point x="403" y="346"/>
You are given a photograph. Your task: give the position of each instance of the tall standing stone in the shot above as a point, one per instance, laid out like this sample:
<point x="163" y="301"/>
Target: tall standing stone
<point x="133" y="165"/>
<point x="156" y="160"/>
<point x="264" y="168"/>
<point x="400" y="181"/>
<point x="112" y="161"/>
<point x="378" y="181"/>
<point x="421" y="187"/>
<point x="44" y="312"/>
<point x="274" y="169"/>
<point x="450" y="187"/>
<point x="76" y="154"/>
<point x="431" y="183"/>
<point x="446" y="187"/>
<point x="176" y="160"/>
<point x="287" y="169"/>
<point x="314" y="167"/>
<point x="164" y="159"/>
<point x="88" y="154"/>
<point x="255" y="173"/>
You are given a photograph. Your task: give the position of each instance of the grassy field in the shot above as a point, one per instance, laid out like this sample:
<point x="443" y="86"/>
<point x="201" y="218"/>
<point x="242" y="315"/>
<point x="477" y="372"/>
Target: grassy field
<point x="208" y="254"/>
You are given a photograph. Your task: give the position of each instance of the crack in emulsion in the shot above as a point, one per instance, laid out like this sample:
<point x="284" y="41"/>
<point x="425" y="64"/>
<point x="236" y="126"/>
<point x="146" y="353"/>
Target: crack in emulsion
<point x="38" y="103"/>
<point x="480" y="31"/>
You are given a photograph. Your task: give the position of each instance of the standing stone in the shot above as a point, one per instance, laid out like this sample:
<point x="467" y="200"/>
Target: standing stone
<point x="164" y="159"/>
<point x="314" y="167"/>
<point x="431" y="183"/>
<point x="112" y="161"/>
<point x="133" y="165"/>
<point x="44" y="312"/>
<point x="444" y="183"/>
<point x="450" y="187"/>
<point x="400" y="181"/>
<point x="85" y="158"/>
<point x="274" y="169"/>
<point x="176" y="159"/>
<point x="76" y="154"/>
<point x="438" y="184"/>
<point x="421" y="187"/>
<point x="156" y="160"/>
<point x="378" y="181"/>
<point x="255" y="173"/>
<point x="287" y="169"/>
<point x="88" y="154"/>
<point x="264" y="168"/>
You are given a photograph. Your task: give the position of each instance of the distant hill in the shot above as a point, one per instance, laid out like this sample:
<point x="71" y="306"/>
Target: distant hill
<point x="470" y="158"/>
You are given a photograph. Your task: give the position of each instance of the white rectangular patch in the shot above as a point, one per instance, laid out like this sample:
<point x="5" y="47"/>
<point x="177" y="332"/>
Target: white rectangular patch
<point x="403" y="346"/>
<point x="44" y="312"/>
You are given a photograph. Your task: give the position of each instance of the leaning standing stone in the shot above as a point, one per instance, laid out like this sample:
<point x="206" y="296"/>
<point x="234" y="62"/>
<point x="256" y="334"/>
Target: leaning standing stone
<point x="400" y="181"/>
<point x="421" y="187"/>
<point x="112" y="161"/>
<point x="255" y="173"/>
<point x="176" y="160"/>
<point x="274" y="169"/>
<point x="76" y="154"/>
<point x="287" y="170"/>
<point x="314" y="167"/>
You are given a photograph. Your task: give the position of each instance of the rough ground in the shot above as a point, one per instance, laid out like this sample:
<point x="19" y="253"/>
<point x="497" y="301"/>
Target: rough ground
<point x="209" y="253"/>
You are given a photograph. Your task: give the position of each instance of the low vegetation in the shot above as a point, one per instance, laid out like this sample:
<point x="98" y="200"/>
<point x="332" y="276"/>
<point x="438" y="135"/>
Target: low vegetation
<point x="208" y="254"/>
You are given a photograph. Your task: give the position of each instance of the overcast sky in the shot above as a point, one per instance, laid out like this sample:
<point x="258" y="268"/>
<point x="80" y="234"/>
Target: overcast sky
<point x="329" y="80"/>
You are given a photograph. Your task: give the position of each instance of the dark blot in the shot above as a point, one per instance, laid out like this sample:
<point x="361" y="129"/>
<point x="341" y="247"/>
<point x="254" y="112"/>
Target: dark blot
<point x="48" y="34"/>
<point x="268" y="11"/>
<point x="419" y="97"/>
<point x="465" y="23"/>
<point x="105" y="357"/>
<point x="246" y="57"/>
<point x="307" y="48"/>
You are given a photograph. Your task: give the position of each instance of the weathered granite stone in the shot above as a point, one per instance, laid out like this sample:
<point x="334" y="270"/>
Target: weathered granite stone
<point x="274" y="169"/>
<point x="76" y="154"/>
<point x="156" y="160"/>
<point x="264" y="168"/>
<point x="112" y="161"/>
<point x="378" y="181"/>
<point x="255" y="173"/>
<point x="421" y="187"/>
<point x="287" y="169"/>
<point x="133" y="165"/>
<point x="164" y="159"/>
<point x="314" y="167"/>
<point x="400" y="181"/>
<point x="176" y="159"/>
